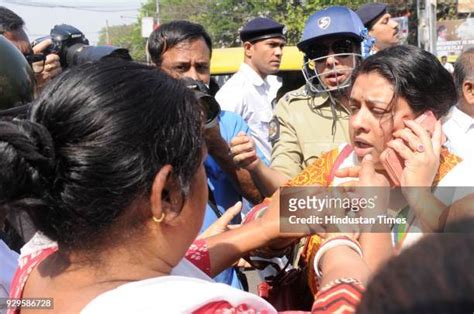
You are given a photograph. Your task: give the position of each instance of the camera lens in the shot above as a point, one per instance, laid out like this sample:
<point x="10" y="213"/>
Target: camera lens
<point x="208" y="103"/>
<point x="210" y="107"/>
<point x="81" y="53"/>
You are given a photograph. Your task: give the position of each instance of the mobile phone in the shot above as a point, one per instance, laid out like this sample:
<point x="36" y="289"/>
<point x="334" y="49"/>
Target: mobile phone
<point x="390" y="159"/>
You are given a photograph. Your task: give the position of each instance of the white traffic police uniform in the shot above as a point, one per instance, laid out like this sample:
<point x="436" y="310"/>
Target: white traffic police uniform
<point x="251" y="97"/>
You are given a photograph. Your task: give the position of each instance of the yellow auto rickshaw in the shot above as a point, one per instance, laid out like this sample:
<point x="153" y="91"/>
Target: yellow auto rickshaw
<point x="226" y="61"/>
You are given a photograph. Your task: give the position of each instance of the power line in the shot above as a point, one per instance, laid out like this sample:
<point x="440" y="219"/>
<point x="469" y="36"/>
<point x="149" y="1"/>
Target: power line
<point x="92" y="8"/>
<point x="36" y="35"/>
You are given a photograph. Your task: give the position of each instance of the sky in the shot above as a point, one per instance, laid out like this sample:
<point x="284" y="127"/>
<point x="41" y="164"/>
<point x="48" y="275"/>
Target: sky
<point x="86" y="15"/>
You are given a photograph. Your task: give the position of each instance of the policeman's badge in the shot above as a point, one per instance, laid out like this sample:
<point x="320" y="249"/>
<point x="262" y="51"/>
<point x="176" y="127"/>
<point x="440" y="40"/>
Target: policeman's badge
<point x="274" y="130"/>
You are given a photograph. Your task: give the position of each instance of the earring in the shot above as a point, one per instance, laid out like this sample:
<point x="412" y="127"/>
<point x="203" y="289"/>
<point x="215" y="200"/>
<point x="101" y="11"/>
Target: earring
<point x="158" y="220"/>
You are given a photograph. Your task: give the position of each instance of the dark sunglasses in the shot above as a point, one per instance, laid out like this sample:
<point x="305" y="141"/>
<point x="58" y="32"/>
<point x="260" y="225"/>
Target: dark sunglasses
<point x="339" y="46"/>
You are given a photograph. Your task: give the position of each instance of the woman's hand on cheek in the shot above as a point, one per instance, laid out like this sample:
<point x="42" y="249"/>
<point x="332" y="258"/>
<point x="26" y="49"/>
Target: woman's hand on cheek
<point x="420" y="152"/>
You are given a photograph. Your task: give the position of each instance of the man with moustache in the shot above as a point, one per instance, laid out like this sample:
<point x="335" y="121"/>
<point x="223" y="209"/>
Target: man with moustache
<point x="183" y="50"/>
<point x="314" y="118"/>
<point x="380" y="25"/>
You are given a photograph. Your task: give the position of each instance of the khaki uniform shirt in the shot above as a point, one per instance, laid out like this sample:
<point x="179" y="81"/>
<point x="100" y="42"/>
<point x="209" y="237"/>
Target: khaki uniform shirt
<point x="302" y="129"/>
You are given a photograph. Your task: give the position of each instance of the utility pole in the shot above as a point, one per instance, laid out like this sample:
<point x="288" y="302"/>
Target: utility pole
<point x="427" y="25"/>
<point x="107" y="37"/>
<point x="157" y="12"/>
<point x="431" y="17"/>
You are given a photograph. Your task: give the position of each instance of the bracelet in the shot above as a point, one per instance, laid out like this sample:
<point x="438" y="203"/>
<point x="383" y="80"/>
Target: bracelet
<point x="332" y="243"/>
<point x="345" y="280"/>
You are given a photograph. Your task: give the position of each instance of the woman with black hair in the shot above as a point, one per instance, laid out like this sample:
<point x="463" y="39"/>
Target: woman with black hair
<point x="109" y="166"/>
<point x="390" y="90"/>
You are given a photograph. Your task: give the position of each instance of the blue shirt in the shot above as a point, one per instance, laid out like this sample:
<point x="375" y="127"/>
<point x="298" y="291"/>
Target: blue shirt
<point x="224" y="192"/>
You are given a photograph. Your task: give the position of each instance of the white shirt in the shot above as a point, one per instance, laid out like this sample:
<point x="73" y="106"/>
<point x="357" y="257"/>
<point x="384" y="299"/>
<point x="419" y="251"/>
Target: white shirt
<point x="250" y="96"/>
<point x="8" y="265"/>
<point x="448" y="66"/>
<point x="459" y="130"/>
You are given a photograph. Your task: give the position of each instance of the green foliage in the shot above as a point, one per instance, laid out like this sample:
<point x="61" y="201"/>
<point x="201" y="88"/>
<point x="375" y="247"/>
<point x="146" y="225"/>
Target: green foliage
<point x="223" y="18"/>
<point x="180" y="9"/>
<point x="447" y="11"/>
<point x="129" y="36"/>
<point x="124" y="36"/>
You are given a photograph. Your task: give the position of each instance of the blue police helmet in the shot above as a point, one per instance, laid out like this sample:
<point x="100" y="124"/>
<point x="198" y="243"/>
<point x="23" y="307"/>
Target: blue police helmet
<point x="332" y="21"/>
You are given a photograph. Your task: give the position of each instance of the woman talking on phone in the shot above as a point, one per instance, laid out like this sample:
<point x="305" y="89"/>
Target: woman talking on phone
<point x="396" y="96"/>
<point x="109" y="166"/>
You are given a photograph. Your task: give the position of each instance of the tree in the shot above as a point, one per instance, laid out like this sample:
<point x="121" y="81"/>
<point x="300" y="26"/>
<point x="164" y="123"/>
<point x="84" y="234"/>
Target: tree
<point x="122" y="36"/>
<point x="129" y="36"/>
<point x="125" y="36"/>
<point x="223" y="18"/>
<point x="180" y="9"/>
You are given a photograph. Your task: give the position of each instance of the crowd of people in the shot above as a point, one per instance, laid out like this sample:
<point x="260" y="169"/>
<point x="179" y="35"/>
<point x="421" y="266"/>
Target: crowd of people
<point x="134" y="188"/>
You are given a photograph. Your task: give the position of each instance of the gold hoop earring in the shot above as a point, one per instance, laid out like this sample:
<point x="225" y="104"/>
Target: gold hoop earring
<point x="158" y="220"/>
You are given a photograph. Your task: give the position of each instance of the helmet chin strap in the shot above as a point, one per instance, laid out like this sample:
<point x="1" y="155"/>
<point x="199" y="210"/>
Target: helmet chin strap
<point x="334" y="101"/>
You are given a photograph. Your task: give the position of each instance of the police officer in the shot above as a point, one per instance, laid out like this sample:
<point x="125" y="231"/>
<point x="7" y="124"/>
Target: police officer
<point x="380" y="25"/>
<point x="314" y="118"/>
<point x="251" y="90"/>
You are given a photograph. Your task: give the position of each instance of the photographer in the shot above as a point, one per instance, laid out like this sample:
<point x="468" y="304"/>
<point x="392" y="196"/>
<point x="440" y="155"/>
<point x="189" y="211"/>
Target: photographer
<point x="45" y="67"/>
<point x="183" y="50"/>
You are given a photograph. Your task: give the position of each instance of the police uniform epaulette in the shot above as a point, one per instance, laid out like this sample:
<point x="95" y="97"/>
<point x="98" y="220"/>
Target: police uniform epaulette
<point x="300" y="93"/>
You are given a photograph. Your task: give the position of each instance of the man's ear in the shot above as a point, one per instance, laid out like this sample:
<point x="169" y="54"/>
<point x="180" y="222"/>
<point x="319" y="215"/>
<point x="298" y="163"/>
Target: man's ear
<point x="468" y="91"/>
<point x="163" y="195"/>
<point x="248" y="49"/>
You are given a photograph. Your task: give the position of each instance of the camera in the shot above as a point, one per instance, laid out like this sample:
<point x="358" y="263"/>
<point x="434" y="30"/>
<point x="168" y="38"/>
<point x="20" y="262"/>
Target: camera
<point x="73" y="47"/>
<point x="209" y="105"/>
